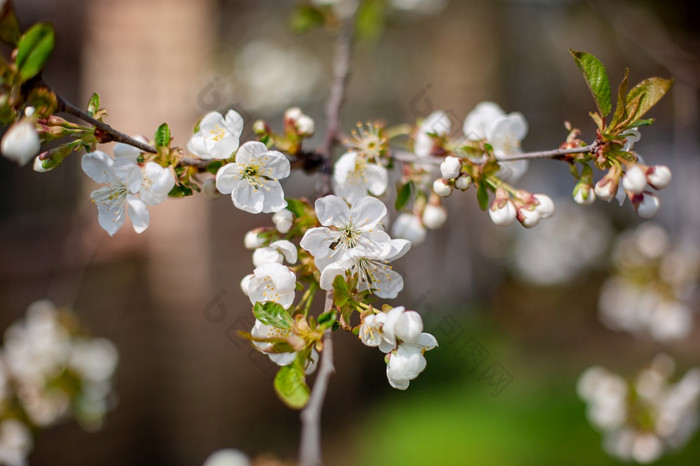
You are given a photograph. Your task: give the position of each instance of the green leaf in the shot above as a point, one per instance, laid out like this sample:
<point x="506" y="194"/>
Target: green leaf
<point x="482" y="195"/>
<point x="620" y="110"/>
<point x="305" y="17"/>
<point x="370" y="19"/>
<point x="597" y="79"/>
<point x="181" y="190"/>
<point x="340" y="291"/>
<point x="163" y="135"/>
<point x="214" y="166"/>
<point x="403" y="195"/>
<point x="640" y="123"/>
<point x="94" y="104"/>
<point x="290" y="385"/>
<point x="296" y="206"/>
<point x="274" y="314"/>
<point x="649" y="92"/>
<point x="327" y="319"/>
<point x="9" y="27"/>
<point x="34" y="49"/>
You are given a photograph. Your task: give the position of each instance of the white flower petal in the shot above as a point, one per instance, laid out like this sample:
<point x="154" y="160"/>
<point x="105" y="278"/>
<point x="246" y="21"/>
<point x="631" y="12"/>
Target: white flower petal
<point x="227" y="177"/>
<point x="98" y="166"/>
<point x="332" y="211"/>
<point x="138" y="213"/>
<point x="247" y="198"/>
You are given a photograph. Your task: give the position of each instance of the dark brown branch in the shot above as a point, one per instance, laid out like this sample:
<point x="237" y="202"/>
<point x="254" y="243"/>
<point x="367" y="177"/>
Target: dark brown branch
<point x="310" y="447"/>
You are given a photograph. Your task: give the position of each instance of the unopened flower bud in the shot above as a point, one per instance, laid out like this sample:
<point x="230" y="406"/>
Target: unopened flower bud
<point x="21" y="142"/>
<point x="260" y="128"/>
<point x="502" y="213"/>
<point x="584" y="194"/>
<point x="606" y="188"/>
<point x="451" y="167"/>
<point x="252" y="240"/>
<point x="434" y="216"/>
<point x="39" y="165"/>
<point x="659" y="176"/>
<point x="647" y="205"/>
<point x="545" y="206"/>
<point x="305" y="126"/>
<point x="463" y="182"/>
<point x="293" y="113"/>
<point x="283" y="220"/>
<point x="245" y="282"/>
<point x="529" y="217"/>
<point x="408" y="226"/>
<point x="442" y="187"/>
<point x="635" y="180"/>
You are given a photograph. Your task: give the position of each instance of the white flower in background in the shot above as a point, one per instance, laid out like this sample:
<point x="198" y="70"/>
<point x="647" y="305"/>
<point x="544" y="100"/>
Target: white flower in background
<point x="504" y="132"/>
<point x="218" y="137"/>
<point x="434" y="216"/>
<point x="272" y="76"/>
<point x="253" y="240"/>
<point x="227" y="457"/>
<point x="15" y="442"/>
<point x="437" y="123"/>
<point x="655" y="277"/>
<point x="372" y="269"/>
<point x="277" y="251"/>
<point x="571" y="242"/>
<point x="94" y="358"/>
<point x="342" y="8"/>
<point x="661" y="417"/>
<point x="408" y="226"/>
<point x="345" y="228"/>
<point x="272" y="282"/>
<point x="283" y="220"/>
<point x="122" y="178"/>
<point x="245" y="283"/>
<point x="253" y="179"/>
<point x="302" y="124"/>
<point x="442" y="187"/>
<point x="21" y="142"/>
<point x="426" y="7"/>
<point x="261" y="330"/>
<point x="354" y="177"/>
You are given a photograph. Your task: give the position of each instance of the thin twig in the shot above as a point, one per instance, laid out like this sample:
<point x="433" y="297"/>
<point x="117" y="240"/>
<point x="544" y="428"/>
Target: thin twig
<point x="310" y="447"/>
<point x="407" y="157"/>
<point x="341" y="73"/>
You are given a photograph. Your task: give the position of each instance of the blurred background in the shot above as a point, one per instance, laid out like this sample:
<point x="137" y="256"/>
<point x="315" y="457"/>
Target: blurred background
<point x="501" y="389"/>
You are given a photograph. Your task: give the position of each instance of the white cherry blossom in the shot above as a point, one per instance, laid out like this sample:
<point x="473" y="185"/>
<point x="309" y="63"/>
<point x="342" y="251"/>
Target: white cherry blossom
<point x="157" y="182"/>
<point x="277" y="251"/>
<point x="372" y="269"/>
<point x="261" y="330"/>
<point x="436" y="123"/>
<point x="410" y="227"/>
<point x="354" y="177"/>
<point x="283" y="220"/>
<point x="407" y="361"/>
<point x="218" y="137"/>
<point x="345" y="228"/>
<point x="253" y="179"/>
<point x="272" y="282"/>
<point x="122" y="179"/>
<point x="504" y="132"/>
<point x="21" y="142"/>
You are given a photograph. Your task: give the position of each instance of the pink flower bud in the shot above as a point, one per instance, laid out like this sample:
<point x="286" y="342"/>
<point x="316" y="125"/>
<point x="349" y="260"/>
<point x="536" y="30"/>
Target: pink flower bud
<point x="635" y="180"/>
<point x="646" y="205"/>
<point x="529" y="217"/>
<point x="502" y="213"/>
<point x="606" y="188"/>
<point x="442" y="187"/>
<point x="451" y="167"/>
<point x="659" y="176"/>
<point x="545" y="206"/>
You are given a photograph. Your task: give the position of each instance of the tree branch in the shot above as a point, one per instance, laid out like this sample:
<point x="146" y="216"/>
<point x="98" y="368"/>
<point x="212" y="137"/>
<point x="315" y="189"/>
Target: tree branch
<point x="310" y="447"/>
<point x="341" y="73"/>
<point x="408" y="157"/>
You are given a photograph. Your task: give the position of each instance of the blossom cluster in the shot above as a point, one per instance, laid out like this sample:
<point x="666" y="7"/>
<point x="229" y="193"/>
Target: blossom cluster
<point x="49" y="372"/>
<point x="653" y="283"/>
<point x="647" y="417"/>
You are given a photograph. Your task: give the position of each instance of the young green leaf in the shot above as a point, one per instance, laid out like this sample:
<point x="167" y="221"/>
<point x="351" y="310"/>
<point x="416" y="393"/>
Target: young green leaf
<point x="214" y="166"/>
<point x="305" y="17"/>
<point x="403" y="195"/>
<point x="341" y="295"/>
<point x="597" y="79"/>
<point x="296" y="206"/>
<point x="163" y="135"/>
<point x="94" y="104"/>
<point x="181" y="190"/>
<point x="482" y="195"/>
<point x="274" y="314"/>
<point x="290" y="385"/>
<point x="9" y="27"/>
<point x="34" y="49"/>
<point x="620" y="110"/>
<point x="649" y="92"/>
